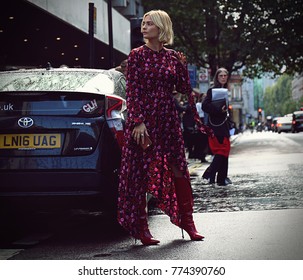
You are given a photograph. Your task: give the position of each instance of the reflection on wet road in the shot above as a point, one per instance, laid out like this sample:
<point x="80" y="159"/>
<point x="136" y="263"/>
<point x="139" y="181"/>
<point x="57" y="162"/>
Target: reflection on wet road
<point x="251" y="192"/>
<point x="263" y="179"/>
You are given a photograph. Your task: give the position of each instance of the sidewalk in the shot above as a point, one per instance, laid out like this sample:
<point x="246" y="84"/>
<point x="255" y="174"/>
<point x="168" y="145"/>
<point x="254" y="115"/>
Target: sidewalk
<point x="242" y="235"/>
<point x="245" y="235"/>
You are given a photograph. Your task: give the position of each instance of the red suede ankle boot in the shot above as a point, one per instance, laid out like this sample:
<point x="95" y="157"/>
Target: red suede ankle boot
<point x="185" y="202"/>
<point x="145" y="235"/>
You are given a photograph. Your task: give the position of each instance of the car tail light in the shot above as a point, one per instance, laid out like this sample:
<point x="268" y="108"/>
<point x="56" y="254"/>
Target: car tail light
<point x="114" y="104"/>
<point x="115" y="107"/>
<point x="293" y="122"/>
<point x="119" y="135"/>
<point x="116" y="126"/>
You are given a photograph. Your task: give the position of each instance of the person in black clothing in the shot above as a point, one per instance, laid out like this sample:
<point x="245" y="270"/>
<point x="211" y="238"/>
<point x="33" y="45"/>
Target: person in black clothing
<point x="180" y="107"/>
<point x="188" y="124"/>
<point x="220" y="144"/>
<point x="189" y="130"/>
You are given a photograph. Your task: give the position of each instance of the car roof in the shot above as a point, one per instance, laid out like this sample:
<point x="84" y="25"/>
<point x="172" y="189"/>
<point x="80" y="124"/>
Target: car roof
<point x="285" y="119"/>
<point x="288" y="115"/>
<point x="298" y="112"/>
<point x="64" y="79"/>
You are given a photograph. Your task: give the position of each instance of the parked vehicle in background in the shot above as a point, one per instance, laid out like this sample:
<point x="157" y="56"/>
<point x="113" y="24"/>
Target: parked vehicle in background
<point x="268" y="123"/>
<point x="297" y="121"/>
<point x="284" y="124"/>
<point x="61" y="132"/>
<point x="274" y="124"/>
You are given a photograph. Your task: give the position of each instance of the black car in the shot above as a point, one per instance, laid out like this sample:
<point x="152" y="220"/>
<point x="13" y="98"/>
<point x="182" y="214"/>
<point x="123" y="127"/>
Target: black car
<point x="297" y="121"/>
<point x="61" y="132"/>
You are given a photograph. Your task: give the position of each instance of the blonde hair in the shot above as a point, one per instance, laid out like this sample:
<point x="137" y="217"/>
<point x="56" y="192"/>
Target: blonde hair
<point x="162" y="20"/>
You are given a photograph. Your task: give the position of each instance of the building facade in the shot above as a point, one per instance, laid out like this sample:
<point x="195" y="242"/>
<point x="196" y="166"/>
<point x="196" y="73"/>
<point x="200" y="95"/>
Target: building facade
<point x="236" y="102"/>
<point x="297" y="87"/>
<point x="35" y="32"/>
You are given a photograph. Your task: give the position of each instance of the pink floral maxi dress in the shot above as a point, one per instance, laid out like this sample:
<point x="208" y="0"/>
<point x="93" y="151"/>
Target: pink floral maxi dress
<point x="151" y="79"/>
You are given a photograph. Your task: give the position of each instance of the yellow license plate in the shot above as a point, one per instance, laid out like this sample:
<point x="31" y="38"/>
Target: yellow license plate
<point x="30" y="141"/>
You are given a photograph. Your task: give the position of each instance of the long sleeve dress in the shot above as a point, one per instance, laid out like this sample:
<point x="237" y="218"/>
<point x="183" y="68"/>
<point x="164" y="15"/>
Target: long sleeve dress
<point x="151" y="78"/>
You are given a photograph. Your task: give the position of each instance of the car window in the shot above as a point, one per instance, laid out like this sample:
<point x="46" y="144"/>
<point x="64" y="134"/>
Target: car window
<point x="298" y="116"/>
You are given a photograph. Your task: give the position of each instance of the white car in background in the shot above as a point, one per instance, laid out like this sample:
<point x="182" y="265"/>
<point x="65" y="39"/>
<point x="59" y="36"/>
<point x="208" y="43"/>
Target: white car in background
<point x="284" y="124"/>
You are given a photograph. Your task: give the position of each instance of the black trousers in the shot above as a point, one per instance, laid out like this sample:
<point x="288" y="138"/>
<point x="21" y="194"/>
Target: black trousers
<point x="200" y="146"/>
<point x="219" y="167"/>
<point x="189" y="136"/>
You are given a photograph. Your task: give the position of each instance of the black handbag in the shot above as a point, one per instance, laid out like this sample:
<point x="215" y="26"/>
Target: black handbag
<point x="219" y="103"/>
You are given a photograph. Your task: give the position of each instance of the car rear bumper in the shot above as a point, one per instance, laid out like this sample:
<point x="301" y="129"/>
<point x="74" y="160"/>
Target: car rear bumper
<point x="54" y="183"/>
<point x="76" y="189"/>
<point x="298" y="127"/>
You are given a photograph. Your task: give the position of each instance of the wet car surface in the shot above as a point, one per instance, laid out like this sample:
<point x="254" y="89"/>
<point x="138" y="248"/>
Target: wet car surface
<point x="61" y="132"/>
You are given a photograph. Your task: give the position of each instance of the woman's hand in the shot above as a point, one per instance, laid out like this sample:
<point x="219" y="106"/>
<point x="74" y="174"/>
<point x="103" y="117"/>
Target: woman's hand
<point x="224" y="109"/>
<point x="139" y="133"/>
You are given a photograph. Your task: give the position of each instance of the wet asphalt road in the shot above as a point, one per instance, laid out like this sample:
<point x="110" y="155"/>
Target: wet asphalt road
<point x="267" y="174"/>
<point x="266" y="170"/>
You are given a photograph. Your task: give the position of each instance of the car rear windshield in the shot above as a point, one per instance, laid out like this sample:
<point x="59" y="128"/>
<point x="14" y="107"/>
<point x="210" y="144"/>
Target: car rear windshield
<point x="51" y="103"/>
<point x="299" y="116"/>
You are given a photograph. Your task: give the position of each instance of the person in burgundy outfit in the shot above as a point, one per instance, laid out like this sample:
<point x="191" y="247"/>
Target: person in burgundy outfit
<point x="161" y="170"/>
